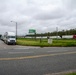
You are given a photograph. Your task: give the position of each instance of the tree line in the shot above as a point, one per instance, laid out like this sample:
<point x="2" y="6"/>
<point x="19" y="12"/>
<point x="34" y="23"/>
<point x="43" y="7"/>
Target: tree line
<point x="55" y="33"/>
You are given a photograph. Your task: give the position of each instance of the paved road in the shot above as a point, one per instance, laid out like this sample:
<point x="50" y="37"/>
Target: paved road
<point x="5" y="46"/>
<point x="21" y="60"/>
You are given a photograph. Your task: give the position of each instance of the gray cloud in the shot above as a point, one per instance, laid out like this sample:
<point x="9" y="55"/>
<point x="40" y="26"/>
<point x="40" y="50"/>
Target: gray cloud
<point x="56" y="14"/>
<point x="70" y="4"/>
<point x="42" y="15"/>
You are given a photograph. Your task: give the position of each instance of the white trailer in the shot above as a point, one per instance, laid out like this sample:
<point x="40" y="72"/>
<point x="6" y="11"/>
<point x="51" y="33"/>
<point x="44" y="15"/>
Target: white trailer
<point x="67" y="36"/>
<point x="10" y="38"/>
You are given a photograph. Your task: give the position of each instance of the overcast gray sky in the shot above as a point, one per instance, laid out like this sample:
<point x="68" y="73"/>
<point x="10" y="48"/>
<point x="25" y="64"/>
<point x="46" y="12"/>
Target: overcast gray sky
<point x="42" y="15"/>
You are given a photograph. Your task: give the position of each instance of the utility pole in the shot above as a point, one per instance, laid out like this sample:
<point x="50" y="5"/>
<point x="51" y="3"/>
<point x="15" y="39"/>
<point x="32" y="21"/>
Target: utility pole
<point x="57" y="32"/>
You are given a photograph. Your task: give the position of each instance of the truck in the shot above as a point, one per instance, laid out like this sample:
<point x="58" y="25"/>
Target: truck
<point x="10" y="38"/>
<point x="2" y="38"/>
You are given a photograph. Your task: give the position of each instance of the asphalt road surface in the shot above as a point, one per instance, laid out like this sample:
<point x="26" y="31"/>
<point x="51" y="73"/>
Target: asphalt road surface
<point x="23" y="60"/>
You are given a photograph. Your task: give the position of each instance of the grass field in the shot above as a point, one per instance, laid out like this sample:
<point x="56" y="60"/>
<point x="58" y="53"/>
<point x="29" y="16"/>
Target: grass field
<point x="44" y="42"/>
<point x="71" y="74"/>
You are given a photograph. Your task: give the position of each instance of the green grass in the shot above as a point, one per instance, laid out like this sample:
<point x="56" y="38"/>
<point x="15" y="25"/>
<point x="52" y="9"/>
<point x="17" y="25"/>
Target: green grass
<point x="44" y="42"/>
<point x="71" y="74"/>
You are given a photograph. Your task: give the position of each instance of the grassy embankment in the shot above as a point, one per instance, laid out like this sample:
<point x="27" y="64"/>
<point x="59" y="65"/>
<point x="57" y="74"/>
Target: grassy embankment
<point x="44" y="42"/>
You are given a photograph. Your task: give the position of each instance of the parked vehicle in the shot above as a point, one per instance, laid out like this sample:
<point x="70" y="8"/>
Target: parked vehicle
<point x="74" y="36"/>
<point x="9" y="38"/>
<point x="2" y="38"/>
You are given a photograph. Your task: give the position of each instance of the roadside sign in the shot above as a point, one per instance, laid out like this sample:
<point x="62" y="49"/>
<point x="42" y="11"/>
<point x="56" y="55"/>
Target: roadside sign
<point x="32" y="31"/>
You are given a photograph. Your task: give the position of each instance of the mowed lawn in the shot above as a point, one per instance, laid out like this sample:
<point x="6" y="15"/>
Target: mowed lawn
<point x="44" y="42"/>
